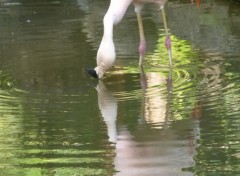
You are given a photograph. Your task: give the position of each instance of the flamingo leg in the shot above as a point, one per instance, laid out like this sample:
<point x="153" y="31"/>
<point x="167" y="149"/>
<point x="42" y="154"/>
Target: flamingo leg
<point x="142" y="45"/>
<point x="168" y="38"/>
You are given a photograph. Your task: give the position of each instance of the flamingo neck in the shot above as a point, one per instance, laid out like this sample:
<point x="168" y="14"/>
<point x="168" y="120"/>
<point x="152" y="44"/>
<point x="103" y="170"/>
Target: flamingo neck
<point x="114" y="15"/>
<point x="106" y="51"/>
<point x="108" y="27"/>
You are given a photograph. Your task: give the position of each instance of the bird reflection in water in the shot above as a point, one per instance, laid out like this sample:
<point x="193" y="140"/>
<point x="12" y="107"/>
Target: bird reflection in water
<point x="147" y="150"/>
<point x="108" y="107"/>
<point x="154" y="148"/>
<point x="155" y="109"/>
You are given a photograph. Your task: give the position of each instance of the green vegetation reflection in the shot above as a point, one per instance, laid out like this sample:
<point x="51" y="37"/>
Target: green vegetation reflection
<point x="184" y="75"/>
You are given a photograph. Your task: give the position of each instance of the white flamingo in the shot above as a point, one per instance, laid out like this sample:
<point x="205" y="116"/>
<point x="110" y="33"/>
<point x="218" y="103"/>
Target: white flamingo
<point x="106" y="53"/>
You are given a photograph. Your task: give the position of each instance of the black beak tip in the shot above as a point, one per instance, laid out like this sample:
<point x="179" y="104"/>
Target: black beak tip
<point x="92" y="72"/>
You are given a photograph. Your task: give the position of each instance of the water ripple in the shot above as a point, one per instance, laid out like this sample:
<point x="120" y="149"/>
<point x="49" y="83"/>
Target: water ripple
<point x="183" y="89"/>
<point x="42" y="129"/>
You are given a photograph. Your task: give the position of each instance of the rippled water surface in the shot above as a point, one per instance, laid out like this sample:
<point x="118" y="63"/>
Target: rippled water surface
<point x="56" y="120"/>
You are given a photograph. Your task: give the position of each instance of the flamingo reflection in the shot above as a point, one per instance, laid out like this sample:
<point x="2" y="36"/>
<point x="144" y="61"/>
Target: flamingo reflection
<point x="155" y="108"/>
<point x="108" y="107"/>
<point x="145" y="151"/>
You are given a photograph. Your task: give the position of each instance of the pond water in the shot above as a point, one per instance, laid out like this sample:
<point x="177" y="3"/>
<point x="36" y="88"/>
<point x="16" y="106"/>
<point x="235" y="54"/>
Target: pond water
<point x="56" y="120"/>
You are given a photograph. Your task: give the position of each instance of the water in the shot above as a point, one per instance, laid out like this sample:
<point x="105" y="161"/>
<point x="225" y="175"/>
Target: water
<point x="56" y="120"/>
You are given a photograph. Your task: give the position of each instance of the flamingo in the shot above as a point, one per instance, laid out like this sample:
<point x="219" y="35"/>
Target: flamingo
<point x="106" y="54"/>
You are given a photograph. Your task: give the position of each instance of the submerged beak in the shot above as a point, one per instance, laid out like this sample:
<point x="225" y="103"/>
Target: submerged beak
<point x="92" y="72"/>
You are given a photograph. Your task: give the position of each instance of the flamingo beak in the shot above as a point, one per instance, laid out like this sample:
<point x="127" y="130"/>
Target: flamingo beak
<point x="92" y="72"/>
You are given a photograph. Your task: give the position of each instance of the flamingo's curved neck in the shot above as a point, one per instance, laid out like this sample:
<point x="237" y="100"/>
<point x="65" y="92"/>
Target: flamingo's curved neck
<point x="108" y="27"/>
<point x="114" y="15"/>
